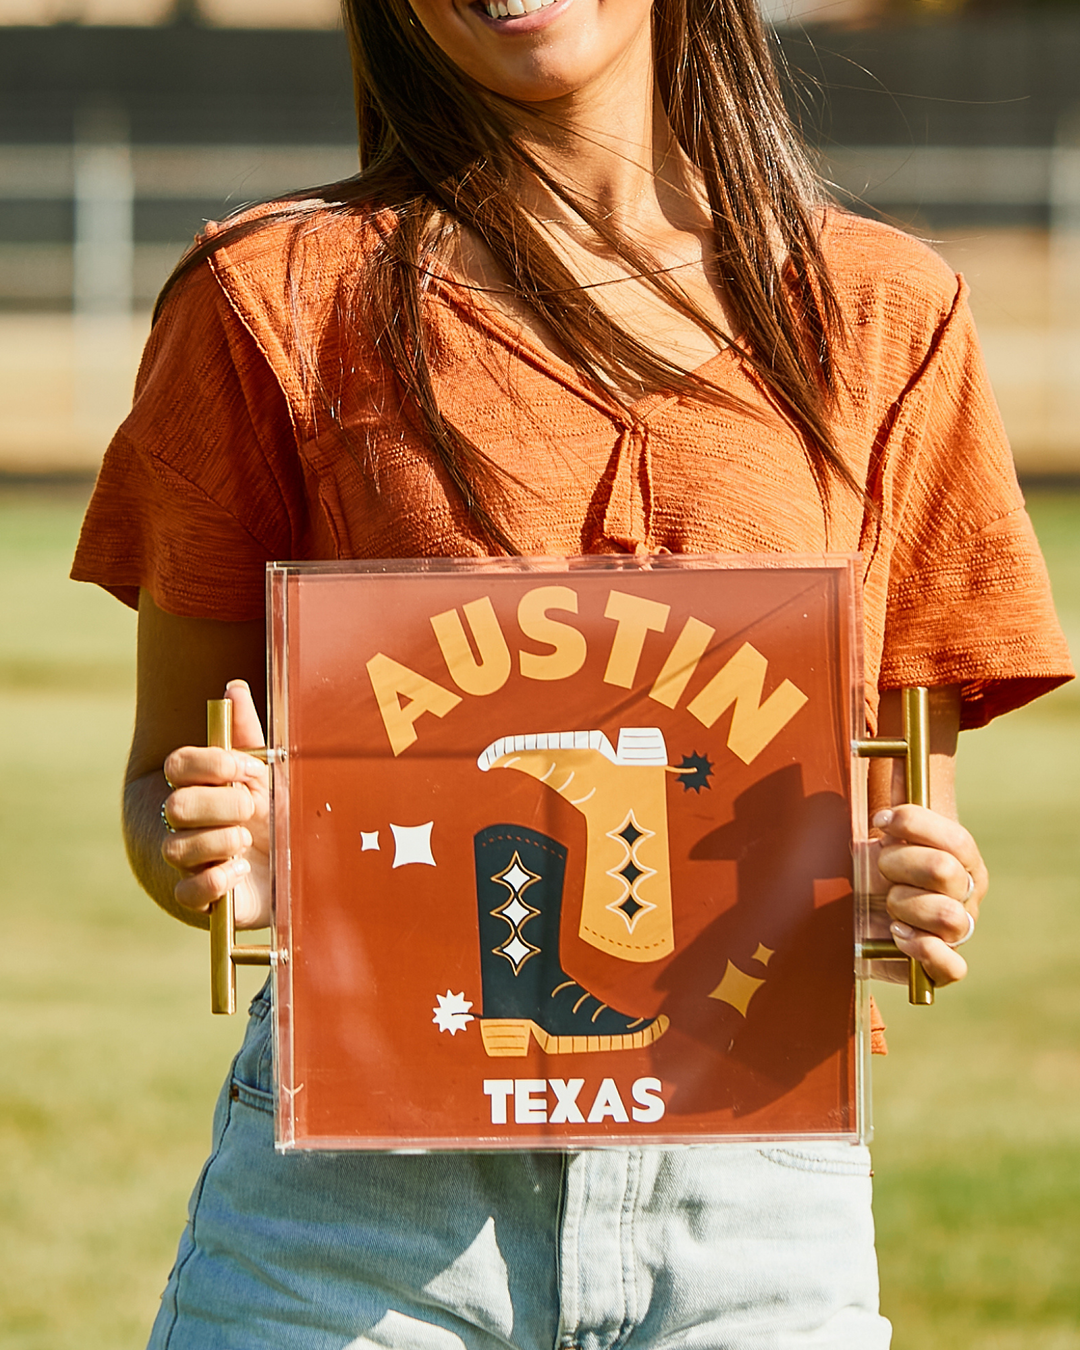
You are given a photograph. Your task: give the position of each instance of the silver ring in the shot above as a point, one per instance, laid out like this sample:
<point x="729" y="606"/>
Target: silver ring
<point x="970" y="893"/>
<point x="166" y="821"/>
<point x="971" y="929"/>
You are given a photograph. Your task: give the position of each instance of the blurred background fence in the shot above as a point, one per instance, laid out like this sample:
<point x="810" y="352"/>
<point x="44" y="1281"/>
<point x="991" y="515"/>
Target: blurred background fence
<point x="118" y="142"/>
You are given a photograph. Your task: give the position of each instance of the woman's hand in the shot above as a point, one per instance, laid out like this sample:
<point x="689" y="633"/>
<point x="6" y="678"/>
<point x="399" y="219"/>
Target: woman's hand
<point x="925" y="864"/>
<point x="219" y="812"/>
<point x="217" y="802"/>
<point x="936" y="880"/>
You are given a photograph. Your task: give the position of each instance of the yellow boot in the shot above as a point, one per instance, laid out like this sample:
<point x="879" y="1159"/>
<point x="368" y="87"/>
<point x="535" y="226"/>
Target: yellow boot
<point x="626" y="906"/>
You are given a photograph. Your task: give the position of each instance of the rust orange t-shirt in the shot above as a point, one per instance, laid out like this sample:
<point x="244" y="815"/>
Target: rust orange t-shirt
<point x="266" y="427"/>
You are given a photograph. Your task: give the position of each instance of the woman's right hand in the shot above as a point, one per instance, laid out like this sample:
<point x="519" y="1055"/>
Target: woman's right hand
<point x="218" y="801"/>
<point x="219" y="812"/>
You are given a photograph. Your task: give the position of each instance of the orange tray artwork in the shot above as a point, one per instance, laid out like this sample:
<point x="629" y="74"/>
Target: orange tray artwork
<point x="564" y="851"/>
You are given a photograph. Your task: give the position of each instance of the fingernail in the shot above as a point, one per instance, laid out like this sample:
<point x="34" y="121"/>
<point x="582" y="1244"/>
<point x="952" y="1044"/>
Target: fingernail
<point x="245" y="836"/>
<point x="901" y="930"/>
<point x="240" y="866"/>
<point x="881" y="819"/>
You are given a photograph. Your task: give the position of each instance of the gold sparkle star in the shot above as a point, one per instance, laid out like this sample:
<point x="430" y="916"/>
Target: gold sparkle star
<point x="737" y="988"/>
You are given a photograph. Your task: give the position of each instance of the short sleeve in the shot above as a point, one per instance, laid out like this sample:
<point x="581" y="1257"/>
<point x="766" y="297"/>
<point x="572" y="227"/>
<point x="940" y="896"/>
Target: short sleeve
<point x="202" y="484"/>
<point x="968" y="596"/>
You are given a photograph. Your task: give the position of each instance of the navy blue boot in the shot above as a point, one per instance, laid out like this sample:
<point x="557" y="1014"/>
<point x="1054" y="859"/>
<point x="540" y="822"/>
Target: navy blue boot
<point x="519" y="886"/>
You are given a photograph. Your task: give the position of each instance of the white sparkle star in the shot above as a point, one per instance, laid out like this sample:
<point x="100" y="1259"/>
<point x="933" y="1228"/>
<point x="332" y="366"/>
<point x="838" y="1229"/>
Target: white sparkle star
<point x="412" y="844"/>
<point x="452" y="1014"/>
<point x="369" y="839"/>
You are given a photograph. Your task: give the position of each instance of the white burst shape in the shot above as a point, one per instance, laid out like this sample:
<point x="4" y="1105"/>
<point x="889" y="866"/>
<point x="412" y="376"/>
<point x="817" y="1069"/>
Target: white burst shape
<point x="412" y="844"/>
<point x="452" y="1013"/>
<point x="369" y="839"/>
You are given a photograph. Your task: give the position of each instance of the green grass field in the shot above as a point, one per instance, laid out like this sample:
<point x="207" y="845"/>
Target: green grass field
<point x="111" y="1060"/>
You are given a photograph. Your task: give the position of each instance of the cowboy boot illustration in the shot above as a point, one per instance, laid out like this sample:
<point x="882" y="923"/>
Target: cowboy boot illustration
<point x="626" y="907"/>
<point x="526" y="991"/>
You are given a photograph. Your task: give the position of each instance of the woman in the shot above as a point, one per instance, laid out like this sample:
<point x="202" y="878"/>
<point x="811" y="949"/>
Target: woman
<point x="585" y="296"/>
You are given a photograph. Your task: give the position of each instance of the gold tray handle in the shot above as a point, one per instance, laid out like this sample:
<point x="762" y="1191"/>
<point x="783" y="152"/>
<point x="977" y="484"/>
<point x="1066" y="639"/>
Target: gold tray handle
<point x="225" y="954"/>
<point x="914" y="749"/>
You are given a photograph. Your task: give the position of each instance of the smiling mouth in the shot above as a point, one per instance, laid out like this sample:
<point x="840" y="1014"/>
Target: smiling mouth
<point x="513" y="9"/>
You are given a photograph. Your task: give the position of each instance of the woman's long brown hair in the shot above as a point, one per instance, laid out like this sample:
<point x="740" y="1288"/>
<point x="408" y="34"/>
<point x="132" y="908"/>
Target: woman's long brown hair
<point x="440" y="152"/>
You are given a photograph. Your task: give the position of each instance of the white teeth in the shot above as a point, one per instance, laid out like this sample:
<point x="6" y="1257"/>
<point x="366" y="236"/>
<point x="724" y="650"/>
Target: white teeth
<point x="514" y="9"/>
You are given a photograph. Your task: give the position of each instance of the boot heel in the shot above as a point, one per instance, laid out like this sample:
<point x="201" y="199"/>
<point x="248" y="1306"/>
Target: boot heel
<point x="505" y="1037"/>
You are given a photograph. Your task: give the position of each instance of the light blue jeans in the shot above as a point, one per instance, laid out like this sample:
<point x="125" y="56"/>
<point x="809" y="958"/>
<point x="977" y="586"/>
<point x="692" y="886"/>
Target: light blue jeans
<point x="736" y="1247"/>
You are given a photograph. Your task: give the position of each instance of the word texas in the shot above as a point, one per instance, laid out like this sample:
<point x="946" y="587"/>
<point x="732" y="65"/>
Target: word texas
<point x="484" y="665"/>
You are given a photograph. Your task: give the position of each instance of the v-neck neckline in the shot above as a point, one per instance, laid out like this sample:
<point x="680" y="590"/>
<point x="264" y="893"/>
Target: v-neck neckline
<point x="501" y="327"/>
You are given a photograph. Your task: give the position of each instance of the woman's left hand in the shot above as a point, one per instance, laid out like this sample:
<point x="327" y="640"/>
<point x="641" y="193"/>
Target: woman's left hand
<point x="936" y="881"/>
